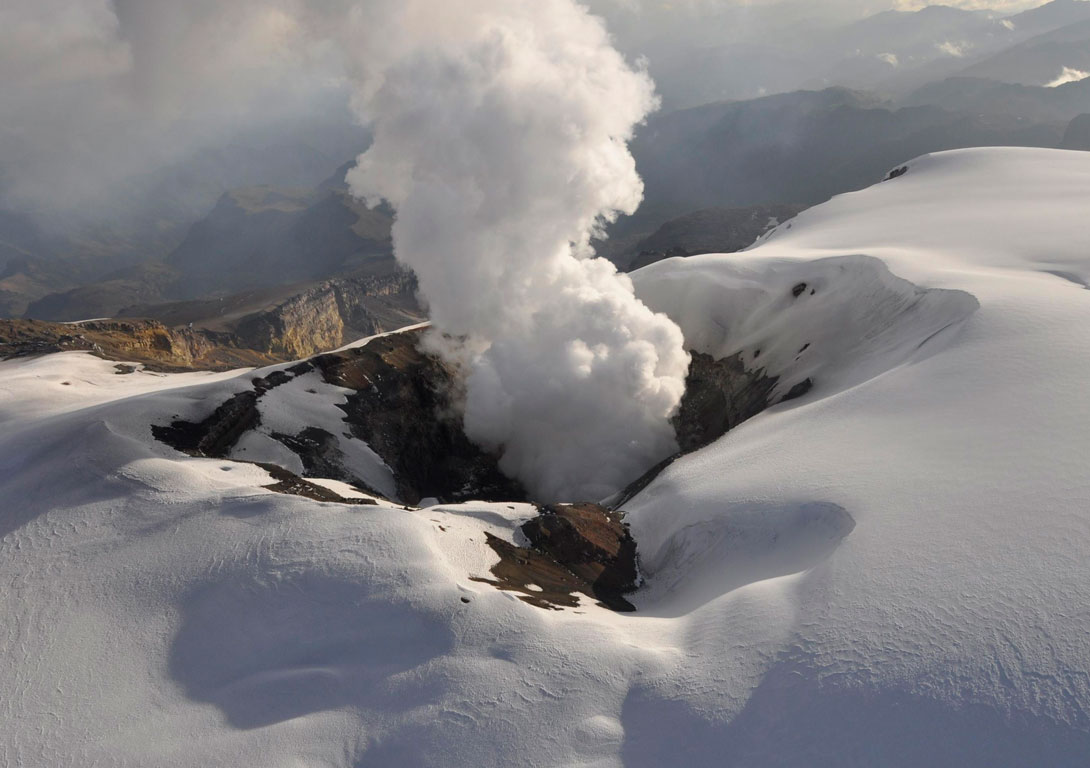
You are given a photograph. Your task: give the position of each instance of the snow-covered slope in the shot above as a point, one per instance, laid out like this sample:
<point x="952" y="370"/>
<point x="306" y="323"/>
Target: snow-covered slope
<point x="893" y="569"/>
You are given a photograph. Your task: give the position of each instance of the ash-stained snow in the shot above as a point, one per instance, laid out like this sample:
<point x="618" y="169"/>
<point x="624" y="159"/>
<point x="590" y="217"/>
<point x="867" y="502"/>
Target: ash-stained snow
<point x="893" y="569"/>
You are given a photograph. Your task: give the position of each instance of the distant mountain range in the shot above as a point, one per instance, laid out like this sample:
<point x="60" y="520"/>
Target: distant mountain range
<point x="807" y="146"/>
<point x="893" y="53"/>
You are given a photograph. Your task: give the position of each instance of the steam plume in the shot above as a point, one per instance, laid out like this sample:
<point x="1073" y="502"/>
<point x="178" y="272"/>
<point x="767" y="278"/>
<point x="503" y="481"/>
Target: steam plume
<point x="500" y="137"/>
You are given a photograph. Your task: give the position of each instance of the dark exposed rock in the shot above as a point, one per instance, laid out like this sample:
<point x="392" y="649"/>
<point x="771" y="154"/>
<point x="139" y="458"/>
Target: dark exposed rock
<point x="582" y="548"/>
<point x="274" y="379"/>
<point x="300" y="368"/>
<point x="719" y="395"/>
<point x="799" y="389"/>
<point x="290" y="483"/>
<point x="321" y="456"/>
<point x="897" y="173"/>
<point x="798" y="290"/>
<point x="522" y="570"/>
<point x="215" y="436"/>
<point x="406" y="407"/>
<point x="591" y="541"/>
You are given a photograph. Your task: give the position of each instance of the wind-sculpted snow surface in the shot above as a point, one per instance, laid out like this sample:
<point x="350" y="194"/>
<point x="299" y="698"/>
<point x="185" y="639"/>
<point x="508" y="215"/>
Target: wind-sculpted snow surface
<point x="889" y="570"/>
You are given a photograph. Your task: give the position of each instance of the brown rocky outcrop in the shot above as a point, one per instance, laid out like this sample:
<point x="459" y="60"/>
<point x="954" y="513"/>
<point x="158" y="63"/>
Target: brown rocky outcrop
<point x="312" y="321"/>
<point x="331" y="314"/>
<point x="148" y="342"/>
<point x="574" y="548"/>
<point x="302" y="326"/>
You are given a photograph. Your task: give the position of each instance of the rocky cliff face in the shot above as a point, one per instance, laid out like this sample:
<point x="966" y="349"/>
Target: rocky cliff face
<point x="406" y="406"/>
<point x="331" y="314"/>
<point x="146" y="342"/>
<point x="315" y="320"/>
<point x="303" y="325"/>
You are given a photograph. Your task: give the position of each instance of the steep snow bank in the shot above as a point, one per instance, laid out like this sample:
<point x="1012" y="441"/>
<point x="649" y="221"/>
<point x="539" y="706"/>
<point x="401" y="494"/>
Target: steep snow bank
<point x="837" y="320"/>
<point x="890" y="570"/>
<point x="945" y="628"/>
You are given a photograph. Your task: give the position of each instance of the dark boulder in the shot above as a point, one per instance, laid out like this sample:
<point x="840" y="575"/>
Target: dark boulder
<point x="574" y="548"/>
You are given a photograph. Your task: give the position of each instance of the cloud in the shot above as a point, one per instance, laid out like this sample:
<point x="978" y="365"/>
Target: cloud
<point x="956" y="50"/>
<point x="94" y="92"/>
<point x="1067" y="75"/>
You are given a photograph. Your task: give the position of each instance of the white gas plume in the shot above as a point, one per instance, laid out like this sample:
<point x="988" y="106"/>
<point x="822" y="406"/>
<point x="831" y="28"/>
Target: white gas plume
<point x="500" y="131"/>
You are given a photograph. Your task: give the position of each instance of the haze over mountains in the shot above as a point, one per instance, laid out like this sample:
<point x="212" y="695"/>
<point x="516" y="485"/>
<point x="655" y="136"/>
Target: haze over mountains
<point x="855" y="99"/>
<point x="759" y="50"/>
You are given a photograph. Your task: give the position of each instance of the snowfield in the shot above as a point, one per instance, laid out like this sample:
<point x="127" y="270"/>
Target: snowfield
<point x="892" y="570"/>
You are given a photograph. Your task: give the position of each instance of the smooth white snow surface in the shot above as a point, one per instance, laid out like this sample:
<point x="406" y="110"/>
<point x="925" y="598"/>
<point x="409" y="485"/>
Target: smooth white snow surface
<point x="893" y="570"/>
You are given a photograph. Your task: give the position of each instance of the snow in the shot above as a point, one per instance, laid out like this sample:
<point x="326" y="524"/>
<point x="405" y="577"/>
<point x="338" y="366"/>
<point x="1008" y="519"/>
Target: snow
<point x="308" y="401"/>
<point x="893" y="569"/>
